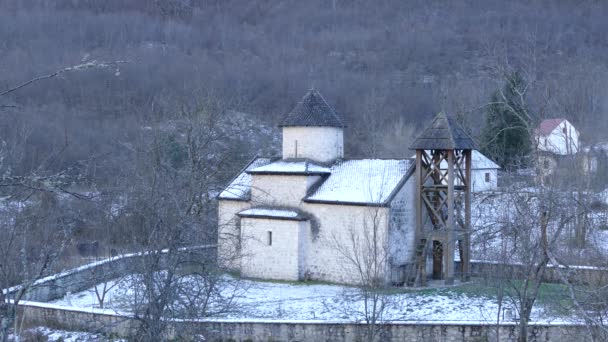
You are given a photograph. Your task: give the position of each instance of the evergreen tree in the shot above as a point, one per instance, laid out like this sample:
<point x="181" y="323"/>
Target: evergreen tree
<point x="505" y="136"/>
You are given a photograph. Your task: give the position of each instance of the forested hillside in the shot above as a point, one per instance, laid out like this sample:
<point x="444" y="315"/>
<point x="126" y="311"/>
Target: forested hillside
<point x="385" y="65"/>
<point x="122" y="120"/>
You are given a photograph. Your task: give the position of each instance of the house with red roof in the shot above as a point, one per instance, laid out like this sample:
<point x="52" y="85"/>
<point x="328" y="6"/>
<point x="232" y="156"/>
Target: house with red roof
<point x="557" y="136"/>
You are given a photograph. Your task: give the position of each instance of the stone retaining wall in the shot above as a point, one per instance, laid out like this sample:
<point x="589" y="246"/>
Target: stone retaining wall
<point x="106" y="321"/>
<point x="35" y="314"/>
<point x="583" y="275"/>
<point x="87" y="276"/>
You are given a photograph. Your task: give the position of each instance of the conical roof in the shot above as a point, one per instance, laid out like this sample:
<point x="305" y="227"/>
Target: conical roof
<point x="444" y="133"/>
<point x="312" y="111"/>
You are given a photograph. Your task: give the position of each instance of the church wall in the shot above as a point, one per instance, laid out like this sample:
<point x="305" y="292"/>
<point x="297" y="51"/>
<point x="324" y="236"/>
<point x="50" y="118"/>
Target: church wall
<point x="280" y="190"/>
<point x="322" y="144"/>
<point x="402" y="234"/>
<point x="273" y="249"/>
<point x="335" y="226"/>
<point x="229" y="232"/>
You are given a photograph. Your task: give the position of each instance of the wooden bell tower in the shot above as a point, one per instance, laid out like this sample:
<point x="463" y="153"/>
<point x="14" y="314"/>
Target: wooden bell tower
<point x="443" y="198"/>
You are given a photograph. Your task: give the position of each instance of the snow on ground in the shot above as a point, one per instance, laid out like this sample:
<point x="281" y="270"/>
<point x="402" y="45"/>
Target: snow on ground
<point x="54" y="335"/>
<point x="292" y="301"/>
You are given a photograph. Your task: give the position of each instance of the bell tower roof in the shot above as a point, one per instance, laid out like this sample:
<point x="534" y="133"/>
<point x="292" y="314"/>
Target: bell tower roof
<point x="312" y="111"/>
<point x="444" y="133"/>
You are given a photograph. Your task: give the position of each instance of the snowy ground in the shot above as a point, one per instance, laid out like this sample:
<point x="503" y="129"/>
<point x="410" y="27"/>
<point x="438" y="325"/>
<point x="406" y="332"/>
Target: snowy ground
<point x="54" y="335"/>
<point x="290" y="301"/>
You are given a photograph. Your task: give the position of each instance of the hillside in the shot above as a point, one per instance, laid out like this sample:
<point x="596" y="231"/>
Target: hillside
<point x="385" y="65"/>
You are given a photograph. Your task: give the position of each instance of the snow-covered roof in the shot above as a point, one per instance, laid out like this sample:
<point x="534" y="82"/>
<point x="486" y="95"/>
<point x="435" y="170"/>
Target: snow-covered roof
<point x="272" y="213"/>
<point x="478" y="162"/>
<point x="364" y="181"/>
<point x="303" y="167"/>
<point x="240" y="187"/>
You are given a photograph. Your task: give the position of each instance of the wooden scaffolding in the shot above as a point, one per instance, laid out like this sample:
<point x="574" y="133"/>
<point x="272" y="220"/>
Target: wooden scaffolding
<point x="443" y="199"/>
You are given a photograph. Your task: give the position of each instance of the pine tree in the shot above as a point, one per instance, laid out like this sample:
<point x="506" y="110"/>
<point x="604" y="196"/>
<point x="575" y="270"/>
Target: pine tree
<point x="506" y="135"/>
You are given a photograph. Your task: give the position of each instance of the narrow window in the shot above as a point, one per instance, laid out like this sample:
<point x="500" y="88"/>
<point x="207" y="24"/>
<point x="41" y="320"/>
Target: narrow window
<point x="565" y="130"/>
<point x="296" y="145"/>
<point x="269" y="238"/>
<point x="487" y="177"/>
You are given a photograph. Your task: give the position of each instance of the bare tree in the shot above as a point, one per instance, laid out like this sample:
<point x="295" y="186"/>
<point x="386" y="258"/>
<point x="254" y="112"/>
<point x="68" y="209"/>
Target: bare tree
<point x="364" y="251"/>
<point x="36" y="224"/>
<point x="170" y="192"/>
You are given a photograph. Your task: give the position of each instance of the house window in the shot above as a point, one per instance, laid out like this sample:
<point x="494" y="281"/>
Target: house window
<point x="487" y="177"/>
<point x="546" y="164"/>
<point x="269" y="238"/>
<point x="565" y="130"/>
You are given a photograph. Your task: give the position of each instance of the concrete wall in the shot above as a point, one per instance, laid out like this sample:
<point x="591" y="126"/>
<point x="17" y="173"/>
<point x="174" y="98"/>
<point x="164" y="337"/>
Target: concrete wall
<point x="326" y="260"/>
<point x="280" y="190"/>
<point x="32" y="314"/>
<point x="322" y="144"/>
<point x="229" y="233"/>
<point x="284" y="258"/>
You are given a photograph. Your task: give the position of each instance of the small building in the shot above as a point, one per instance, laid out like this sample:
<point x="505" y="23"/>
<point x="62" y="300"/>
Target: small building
<point x="311" y="214"/>
<point x="557" y="136"/>
<point x="557" y="142"/>
<point x="484" y="172"/>
<point x="594" y="163"/>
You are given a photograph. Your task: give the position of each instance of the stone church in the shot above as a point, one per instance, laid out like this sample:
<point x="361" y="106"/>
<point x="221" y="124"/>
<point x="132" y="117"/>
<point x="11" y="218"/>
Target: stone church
<point x="311" y="214"/>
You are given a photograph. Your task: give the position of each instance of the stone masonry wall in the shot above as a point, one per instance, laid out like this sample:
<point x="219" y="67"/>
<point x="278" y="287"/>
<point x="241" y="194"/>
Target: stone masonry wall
<point x="229" y="233"/>
<point x="280" y="190"/>
<point x="282" y="259"/>
<point x="325" y="259"/>
<point x="402" y="224"/>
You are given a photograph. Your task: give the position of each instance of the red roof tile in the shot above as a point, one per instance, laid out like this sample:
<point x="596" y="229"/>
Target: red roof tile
<point x="548" y="125"/>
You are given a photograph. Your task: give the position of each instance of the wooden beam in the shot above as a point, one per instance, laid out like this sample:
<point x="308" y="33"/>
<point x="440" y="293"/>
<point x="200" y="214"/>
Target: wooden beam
<point x="449" y="242"/>
<point x="466" y="255"/>
<point x="420" y="279"/>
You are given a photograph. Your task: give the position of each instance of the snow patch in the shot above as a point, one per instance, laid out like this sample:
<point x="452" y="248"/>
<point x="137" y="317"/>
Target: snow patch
<point x="362" y="181"/>
<point x="295" y="167"/>
<point x="266" y="212"/>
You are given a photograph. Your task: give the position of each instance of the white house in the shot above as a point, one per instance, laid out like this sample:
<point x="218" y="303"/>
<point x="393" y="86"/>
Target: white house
<point x="484" y="172"/>
<point x="304" y="215"/>
<point x="557" y="136"/>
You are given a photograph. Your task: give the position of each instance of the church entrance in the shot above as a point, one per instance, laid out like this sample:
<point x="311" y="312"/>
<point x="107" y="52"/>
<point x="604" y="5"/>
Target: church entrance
<point x="437" y="260"/>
